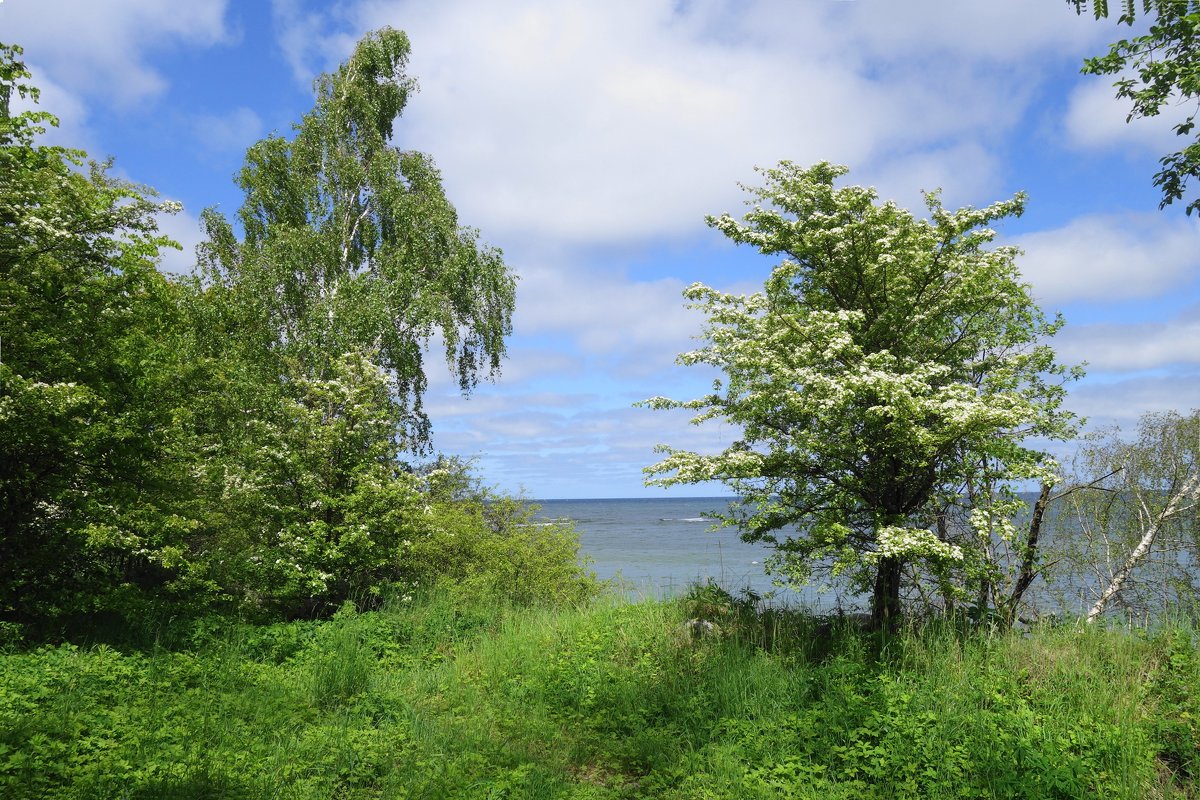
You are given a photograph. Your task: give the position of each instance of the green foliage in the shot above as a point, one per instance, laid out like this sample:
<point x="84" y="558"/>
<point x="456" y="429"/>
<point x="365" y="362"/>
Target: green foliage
<point x="351" y="246"/>
<point x="90" y="457"/>
<point x="441" y="698"/>
<point x="1157" y="69"/>
<point x="312" y="328"/>
<point x="318" y="508"/>
<point x="235" y="441"/>
<point x="889" y="363"/>
<point x="489" y="546"/>
<point x="379" y="530"/>
<point x="1175" y="686"/>
<point x="342" y="669"/>
<point x="1129" y="8"/>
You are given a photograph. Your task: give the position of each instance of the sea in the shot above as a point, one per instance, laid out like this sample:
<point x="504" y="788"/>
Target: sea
<point x="659" y="547"/>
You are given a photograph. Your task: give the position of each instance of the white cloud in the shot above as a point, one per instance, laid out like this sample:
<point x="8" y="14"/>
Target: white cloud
<point x="1116" y="347"/>
<point x="581" y="123"/>
<point x="1122" y="403"/>
<point x="499" y="399"/>
<point x="1111" y="257"/>
<point x="607" y="314"/>
<point x="1008" y="32"/>
<point x="103" y="47"/>
<point x="1096" y="119"/>
<point x="966" y="172"/>
<point x="72" y="130"/>
<point x="588" y="125"/>
<point x="572" y="444"/>
<point x="308" y="41"/>
<point x="184" y="229"/>
<point x="527" y="364"/>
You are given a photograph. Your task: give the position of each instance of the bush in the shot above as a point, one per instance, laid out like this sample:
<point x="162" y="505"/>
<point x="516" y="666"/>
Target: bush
<point x="398" y="532"/>
<point x="488" y="546"/>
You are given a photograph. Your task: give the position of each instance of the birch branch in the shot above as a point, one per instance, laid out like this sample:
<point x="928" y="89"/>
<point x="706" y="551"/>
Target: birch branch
<point x="1189" y="491"/>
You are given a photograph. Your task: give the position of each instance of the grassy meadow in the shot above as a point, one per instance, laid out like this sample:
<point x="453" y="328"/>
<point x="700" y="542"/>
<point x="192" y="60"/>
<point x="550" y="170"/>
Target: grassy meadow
<point x="440" y="697"/>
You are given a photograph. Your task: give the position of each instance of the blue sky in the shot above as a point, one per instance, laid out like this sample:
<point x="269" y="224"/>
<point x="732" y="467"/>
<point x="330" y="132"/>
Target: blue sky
<point x="588" y="141"/>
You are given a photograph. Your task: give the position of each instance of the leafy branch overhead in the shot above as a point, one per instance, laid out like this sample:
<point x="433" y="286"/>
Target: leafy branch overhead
<point x="1155" y="71"/>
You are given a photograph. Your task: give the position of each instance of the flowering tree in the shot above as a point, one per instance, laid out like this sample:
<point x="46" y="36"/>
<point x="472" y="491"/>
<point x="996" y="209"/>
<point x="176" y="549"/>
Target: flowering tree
<point x="90" y="467"/>
<point x="319" y="509"/>
<point x="889" y="361"/>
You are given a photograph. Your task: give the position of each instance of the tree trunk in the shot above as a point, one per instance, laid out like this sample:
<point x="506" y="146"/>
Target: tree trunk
<point x="1189" y="491"/>
<point x="947" y="588"/>
<point x="1028" y="556"/>
<point x="885" y="602"/>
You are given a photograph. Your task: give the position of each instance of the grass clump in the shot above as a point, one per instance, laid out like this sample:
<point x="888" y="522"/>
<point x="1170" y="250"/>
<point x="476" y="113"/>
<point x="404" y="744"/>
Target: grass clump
<point x="444" y="697"/>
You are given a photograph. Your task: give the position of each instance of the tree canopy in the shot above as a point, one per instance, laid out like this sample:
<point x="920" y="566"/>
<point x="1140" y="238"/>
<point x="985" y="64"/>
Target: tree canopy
<point x="351" y="245"/>
<point x="888" y="359"/>
<point x="89" y="461"/>
<point x="248" y="437"/>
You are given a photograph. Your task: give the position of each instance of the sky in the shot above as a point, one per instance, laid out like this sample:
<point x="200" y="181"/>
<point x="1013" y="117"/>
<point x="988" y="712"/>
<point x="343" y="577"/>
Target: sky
<point x="589" y="141"/>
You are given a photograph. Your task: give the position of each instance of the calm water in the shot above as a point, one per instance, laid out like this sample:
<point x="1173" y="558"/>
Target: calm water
<point x="662" y="545"/>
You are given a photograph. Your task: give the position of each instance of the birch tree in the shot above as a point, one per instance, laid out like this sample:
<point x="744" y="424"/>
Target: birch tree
<point x="350" y="246"/>
<point x="1133" y="533"/>
<point x="317" y="317"/>
<point x="886" y="356"/>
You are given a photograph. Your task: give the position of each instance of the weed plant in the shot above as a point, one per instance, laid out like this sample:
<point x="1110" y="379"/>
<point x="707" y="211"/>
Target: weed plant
<point x="442" y="697"/>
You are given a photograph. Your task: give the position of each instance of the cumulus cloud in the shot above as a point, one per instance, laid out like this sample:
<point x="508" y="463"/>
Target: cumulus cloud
<point x="1096" y="119"/>
<point x="583" y="123"/>
<point x="103" y="47"/>
<point x="1117" y="347"/>
<point x="1111" y="257"/>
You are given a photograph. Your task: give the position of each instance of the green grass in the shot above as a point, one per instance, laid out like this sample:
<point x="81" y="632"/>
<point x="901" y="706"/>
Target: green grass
<point x="441" y="699"/>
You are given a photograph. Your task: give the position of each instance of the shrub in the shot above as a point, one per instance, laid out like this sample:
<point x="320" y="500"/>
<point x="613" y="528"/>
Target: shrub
<point x="489" y="546"/>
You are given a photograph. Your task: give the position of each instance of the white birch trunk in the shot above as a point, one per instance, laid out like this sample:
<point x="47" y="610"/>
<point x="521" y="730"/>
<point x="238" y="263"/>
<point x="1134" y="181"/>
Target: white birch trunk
<point x="1189" y="491"/>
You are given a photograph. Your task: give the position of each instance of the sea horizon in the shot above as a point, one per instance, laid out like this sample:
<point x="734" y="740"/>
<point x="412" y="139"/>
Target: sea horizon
<point x="660" y="546"/>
